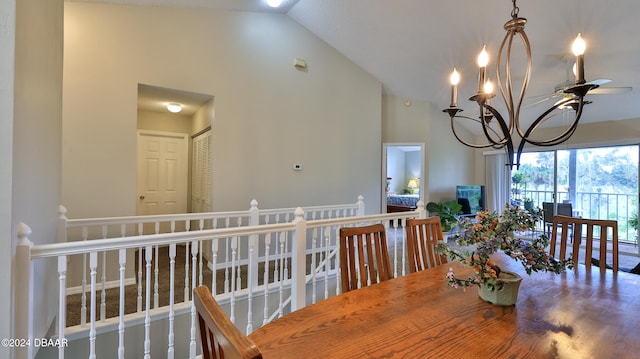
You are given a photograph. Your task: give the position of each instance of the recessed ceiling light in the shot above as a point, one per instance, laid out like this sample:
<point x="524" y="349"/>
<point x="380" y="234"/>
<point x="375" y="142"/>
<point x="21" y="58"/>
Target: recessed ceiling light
<point x="174" y="107"/>
<point x="274" y="3"/>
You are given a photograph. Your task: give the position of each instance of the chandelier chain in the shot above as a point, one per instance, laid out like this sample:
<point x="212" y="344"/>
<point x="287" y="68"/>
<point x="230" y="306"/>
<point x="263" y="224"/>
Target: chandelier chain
<point x="516" y="10"/>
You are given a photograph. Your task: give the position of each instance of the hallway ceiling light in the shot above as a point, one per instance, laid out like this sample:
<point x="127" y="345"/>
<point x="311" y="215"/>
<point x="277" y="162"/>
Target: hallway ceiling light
<point x="497" y="130"/>
<point x="174" y="107"/>
<point x="274" y="3"/>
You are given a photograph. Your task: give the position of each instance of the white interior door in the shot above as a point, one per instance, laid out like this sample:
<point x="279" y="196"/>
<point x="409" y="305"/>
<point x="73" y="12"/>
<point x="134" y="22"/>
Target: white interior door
<point x="162" y="172"/>
<point x="201" y="173"/>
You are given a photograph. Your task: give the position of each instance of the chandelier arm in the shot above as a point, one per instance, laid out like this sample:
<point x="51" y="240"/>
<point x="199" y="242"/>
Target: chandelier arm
<point x="560" y="138"/>
<point x="507" y="141"/>
<point x="506" y="135"/>
<point x="525" y="81"/>
<point x="508" y="101"/>
<point x="469" y="144"/>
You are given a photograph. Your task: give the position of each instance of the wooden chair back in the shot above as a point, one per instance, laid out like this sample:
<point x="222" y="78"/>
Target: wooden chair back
<point x="220" y="338"/>
<point x="601" y="230"/>
<point x="364" y="257"/>
<point x="422" y="237"/>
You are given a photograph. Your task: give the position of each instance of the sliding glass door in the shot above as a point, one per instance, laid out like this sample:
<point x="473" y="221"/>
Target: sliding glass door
<point x="599" y="183"/>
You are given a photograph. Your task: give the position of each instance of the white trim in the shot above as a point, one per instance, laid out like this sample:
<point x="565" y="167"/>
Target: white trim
<point x="108" y="285"/>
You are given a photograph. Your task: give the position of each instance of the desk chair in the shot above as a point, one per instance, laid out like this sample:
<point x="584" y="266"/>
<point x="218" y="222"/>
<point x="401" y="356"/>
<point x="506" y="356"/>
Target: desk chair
<point x="364" y="257"/>
<point x="422" y="236"/>
<point x="220" y="338"/>
<point x="592" y="226"/>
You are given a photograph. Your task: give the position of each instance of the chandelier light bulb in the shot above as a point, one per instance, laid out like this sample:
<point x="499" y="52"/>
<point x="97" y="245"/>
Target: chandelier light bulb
<point x="483" y="58"/>
<point x="578" y="46"/>
<point x="488" y="87"/>
<point x="455" y="77"/>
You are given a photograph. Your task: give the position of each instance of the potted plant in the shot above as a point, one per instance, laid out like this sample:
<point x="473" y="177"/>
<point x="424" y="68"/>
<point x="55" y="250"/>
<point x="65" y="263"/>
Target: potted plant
<point x="480" y="238"/>
<point x="447" y="211"/>
<point x="528" y="203"/>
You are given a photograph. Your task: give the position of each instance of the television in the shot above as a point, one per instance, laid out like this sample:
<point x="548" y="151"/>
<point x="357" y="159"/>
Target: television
<point x="472" y="198"/>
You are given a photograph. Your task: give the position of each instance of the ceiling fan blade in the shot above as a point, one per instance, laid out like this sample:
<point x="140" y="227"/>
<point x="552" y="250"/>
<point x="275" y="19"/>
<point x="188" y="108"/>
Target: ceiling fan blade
<point x="599" y="82"/>
<point x="609" y="90"/>
<point x="547" y="98"/>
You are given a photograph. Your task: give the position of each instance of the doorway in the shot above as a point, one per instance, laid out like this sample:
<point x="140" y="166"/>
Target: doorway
<point x="402" y="174"/>
<point x="191" y="117"/>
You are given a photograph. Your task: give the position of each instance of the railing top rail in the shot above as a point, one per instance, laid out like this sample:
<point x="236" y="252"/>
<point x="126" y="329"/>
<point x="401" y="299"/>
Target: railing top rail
<point x="96" y="245"/>
<point x="137" y="241"/>
<point x="310" y="208"/>
<point x="79" y="222"/>
<point x="360" y="219"/>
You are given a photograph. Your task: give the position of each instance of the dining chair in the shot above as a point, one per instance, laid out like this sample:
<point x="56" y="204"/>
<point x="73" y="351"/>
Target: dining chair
<point x="220" y="338"/>
<point x="422" y="237"/>
<point x="364" y="257"/>
<point x="603" y="231"/>
<point x="548" y="211"/>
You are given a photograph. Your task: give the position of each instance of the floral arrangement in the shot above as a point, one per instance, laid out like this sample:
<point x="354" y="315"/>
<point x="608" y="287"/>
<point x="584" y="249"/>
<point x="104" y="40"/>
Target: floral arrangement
<point x="480" y="238"/>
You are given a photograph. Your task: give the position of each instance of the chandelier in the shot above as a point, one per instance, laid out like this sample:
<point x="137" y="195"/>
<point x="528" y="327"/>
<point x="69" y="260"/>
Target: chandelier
<point x="497" y="129"/>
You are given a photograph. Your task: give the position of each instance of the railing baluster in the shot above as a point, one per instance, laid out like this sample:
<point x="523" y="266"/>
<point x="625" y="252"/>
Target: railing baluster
<point x="250" y="274"/>
<point x="122" y="259"/>
<point x="186" y="272"/>
<point x="267" y="247"/>
<point x="140" y="251"/>
<point x="234" y="252"/>
<point x="200" y="265"/>
<point x="192" y="341"/>
<point x="314" y="243"/>
<point x="93" y="264"/>
<point x="62" y="300"/>
<point x="214" y="270"/>
<point x="103" y="280"/>
<point x="172" y="274"/>
<point x="281" y="301"/>
<point x="83" y="305"/>
<point x="326" y="231"/>
<point x="148" y="254"/>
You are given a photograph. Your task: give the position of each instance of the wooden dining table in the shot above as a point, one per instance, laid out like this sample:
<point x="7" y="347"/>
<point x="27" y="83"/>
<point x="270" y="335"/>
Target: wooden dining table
<point x="581" y="313"/>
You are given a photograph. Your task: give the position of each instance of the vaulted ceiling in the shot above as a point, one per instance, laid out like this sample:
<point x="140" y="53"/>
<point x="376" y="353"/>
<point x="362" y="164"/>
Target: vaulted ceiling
<point x="411" y="46"/>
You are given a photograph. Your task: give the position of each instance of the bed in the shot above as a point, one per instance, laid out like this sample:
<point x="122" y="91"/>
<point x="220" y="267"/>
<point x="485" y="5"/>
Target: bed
<point x="402" y="202"/>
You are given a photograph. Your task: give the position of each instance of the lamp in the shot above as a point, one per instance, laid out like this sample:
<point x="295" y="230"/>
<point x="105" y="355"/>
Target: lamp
<point x="412" y="185"/>
<point x="498" y="131"/>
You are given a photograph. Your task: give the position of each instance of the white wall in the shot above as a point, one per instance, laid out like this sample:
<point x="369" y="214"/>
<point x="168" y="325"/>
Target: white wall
<point x="447" y="161"/>
<point x="7" y="38"/>
<point x="32" y="175"/>
<point x="268" y="115"/>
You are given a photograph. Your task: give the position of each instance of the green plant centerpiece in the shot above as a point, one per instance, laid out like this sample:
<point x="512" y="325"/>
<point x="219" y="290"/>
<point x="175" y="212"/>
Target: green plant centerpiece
<point x="447" y="211"/>
<point x="479" y="238"/>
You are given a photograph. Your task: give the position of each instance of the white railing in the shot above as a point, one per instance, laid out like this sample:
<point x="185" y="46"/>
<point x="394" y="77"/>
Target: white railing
<point x="112" y="227"/>
<point x="265" y="274"/>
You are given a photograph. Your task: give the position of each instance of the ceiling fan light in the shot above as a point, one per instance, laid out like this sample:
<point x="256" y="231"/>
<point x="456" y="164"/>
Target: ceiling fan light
<point x="174" y="107"/>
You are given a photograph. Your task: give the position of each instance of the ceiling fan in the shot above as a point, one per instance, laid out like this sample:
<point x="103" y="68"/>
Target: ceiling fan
<point x="558" y="91"/>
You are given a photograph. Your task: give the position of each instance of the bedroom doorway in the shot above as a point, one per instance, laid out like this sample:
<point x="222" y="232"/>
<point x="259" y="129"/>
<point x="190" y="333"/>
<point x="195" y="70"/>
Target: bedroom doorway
<point x="402" y="176"/>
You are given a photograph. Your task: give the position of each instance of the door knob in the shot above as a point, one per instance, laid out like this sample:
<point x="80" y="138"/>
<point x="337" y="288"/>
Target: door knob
<point x="141" y="197"/>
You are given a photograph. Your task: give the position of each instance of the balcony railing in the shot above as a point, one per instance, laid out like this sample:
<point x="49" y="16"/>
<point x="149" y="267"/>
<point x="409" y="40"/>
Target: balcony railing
<point x="597" y="205"/>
